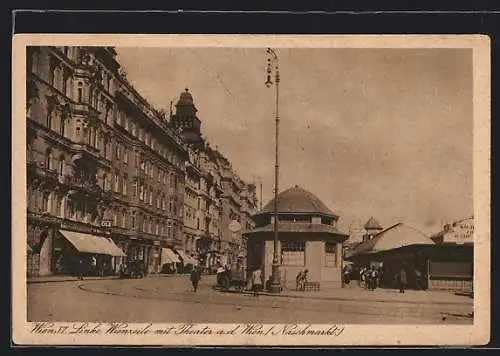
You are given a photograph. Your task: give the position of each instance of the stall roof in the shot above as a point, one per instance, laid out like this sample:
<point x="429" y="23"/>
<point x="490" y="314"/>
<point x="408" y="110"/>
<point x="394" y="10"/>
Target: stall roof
<point x="394" y="237"/>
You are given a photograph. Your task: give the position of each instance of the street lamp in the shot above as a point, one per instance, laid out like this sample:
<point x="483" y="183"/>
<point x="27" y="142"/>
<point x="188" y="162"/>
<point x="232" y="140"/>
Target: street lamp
<point x="273" y="65"/>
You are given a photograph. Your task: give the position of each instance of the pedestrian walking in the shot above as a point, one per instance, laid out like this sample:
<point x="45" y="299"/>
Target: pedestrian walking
<point x="257" y="282"/>
<point x="402" y="280"/>
<point x="81" y="267"/>
<point x="93" y="265"/>
<point x="347" y="275"/>
<point x="418" y="280"/>
<point x="220" y="276"/>
<point x="362" y="277"/>
<point x="301" y="280"/>
<point x="373" y="278"/>
<point x="195" y="278"/>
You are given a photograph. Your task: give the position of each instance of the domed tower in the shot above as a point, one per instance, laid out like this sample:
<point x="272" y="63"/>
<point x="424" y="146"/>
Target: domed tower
<point x="372" y="228"/>
<point x="186" y="120"/>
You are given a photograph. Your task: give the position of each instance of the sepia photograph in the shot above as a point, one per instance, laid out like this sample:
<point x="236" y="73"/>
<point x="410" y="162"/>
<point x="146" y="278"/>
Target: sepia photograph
<point x="251" y="189"/>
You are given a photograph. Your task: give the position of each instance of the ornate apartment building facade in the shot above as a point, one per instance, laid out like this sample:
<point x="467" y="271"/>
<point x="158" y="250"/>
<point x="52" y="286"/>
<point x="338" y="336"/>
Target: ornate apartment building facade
<point x="104" y="168"/>
<point x="110" y="176"/>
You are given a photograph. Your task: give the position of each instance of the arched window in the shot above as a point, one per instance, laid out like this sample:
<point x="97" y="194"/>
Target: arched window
<point x="104" y="179"/>
<point x="48" y="159"/>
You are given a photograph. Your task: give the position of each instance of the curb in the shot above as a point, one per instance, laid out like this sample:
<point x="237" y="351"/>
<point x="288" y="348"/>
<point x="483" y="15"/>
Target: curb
<point x="341" y="298"/>
<point x="108" y="278"/>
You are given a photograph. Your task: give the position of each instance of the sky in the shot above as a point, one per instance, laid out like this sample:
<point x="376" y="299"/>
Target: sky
<point x="371" y="132"/>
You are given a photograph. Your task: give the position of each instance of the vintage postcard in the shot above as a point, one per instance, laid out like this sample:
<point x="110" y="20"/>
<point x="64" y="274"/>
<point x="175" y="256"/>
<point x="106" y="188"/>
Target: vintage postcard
<point x="251" y="190"/>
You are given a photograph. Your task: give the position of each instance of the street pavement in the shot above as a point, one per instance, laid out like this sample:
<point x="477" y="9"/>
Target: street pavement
<point x="171" y="299"/>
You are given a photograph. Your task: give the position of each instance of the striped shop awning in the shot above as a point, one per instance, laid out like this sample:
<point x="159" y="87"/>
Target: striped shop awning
<point x="87" y="243"/>
<point x="168" y="256"/>
<point x="188" y="260"/>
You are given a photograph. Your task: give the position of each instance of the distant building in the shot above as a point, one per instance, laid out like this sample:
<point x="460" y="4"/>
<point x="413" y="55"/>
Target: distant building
<point x="452" y="266"/>
<point x="356" y="233"/>
<point x="215" y="196"/>
<point x="308" y="239"/>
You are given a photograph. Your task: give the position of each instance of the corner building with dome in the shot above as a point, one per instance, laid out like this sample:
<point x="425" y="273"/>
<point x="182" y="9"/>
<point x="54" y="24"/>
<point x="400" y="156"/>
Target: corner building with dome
<point x="308" y="239"/>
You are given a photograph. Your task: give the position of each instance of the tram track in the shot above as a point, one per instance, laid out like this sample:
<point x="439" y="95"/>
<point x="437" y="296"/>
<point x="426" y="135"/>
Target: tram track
<point x="239" y="302"/>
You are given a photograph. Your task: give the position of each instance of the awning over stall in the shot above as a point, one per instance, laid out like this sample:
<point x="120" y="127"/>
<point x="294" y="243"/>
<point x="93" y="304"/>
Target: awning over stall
<point x="87" y="243"/>
<point x="168" y="256"/>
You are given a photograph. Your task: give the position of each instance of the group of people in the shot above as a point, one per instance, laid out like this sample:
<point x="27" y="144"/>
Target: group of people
<point x="91" y="266"/>
<point x="369" y="277"/>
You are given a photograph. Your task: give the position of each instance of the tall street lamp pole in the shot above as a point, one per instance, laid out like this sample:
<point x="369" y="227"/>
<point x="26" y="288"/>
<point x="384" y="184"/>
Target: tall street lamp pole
<point x="275" y="286"/>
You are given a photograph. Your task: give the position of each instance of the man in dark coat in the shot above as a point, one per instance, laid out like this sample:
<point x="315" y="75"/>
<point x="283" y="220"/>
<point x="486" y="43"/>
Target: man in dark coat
<point x="402" y="280"/>
<point x="195" y="278"/>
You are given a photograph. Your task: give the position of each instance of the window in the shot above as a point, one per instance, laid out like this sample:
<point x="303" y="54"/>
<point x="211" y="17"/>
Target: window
<point x="134" y="129"/>
<point x="89" y="136"/>
<point x="58" y="206"/>
<point x="62" y="125"/>
<point x="134" y="221"/>
<point x="141" y="192"/>
<point x="117" y="183"/>
<point x="331" y="254"/>
<point x="134" y="189"/>
<point x="124" y="219"/>
<point x="61" y="165"/>
<point x="58" y="79"/>
<point x="48" y="159"/>
<point x="125" y="181"/>
<point x="45" y="201"/>
<point x="125" y="155"/>
<point x="117" y="151"/>
<point x="293" y="253"/>
<point x="151" y="196"/>
<point x="79" y="95"/>
<point x="49" y="120"/>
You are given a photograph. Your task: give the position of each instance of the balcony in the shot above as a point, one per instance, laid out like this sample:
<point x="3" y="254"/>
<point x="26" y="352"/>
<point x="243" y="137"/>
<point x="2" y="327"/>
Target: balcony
<point x="34" y="170"/>
<point x="84" y="151"/>
<point x="85" y="186"/>
<point x="84" y="109"/>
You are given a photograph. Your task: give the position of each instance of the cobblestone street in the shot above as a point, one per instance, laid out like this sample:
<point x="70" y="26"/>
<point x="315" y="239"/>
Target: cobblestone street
<point x="170" y="299"/>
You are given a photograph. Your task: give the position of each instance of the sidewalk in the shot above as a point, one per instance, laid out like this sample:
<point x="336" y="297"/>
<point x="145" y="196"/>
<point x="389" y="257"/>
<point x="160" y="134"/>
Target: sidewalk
<point x="55" y="278"/>
<point x="378" y="295"/>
